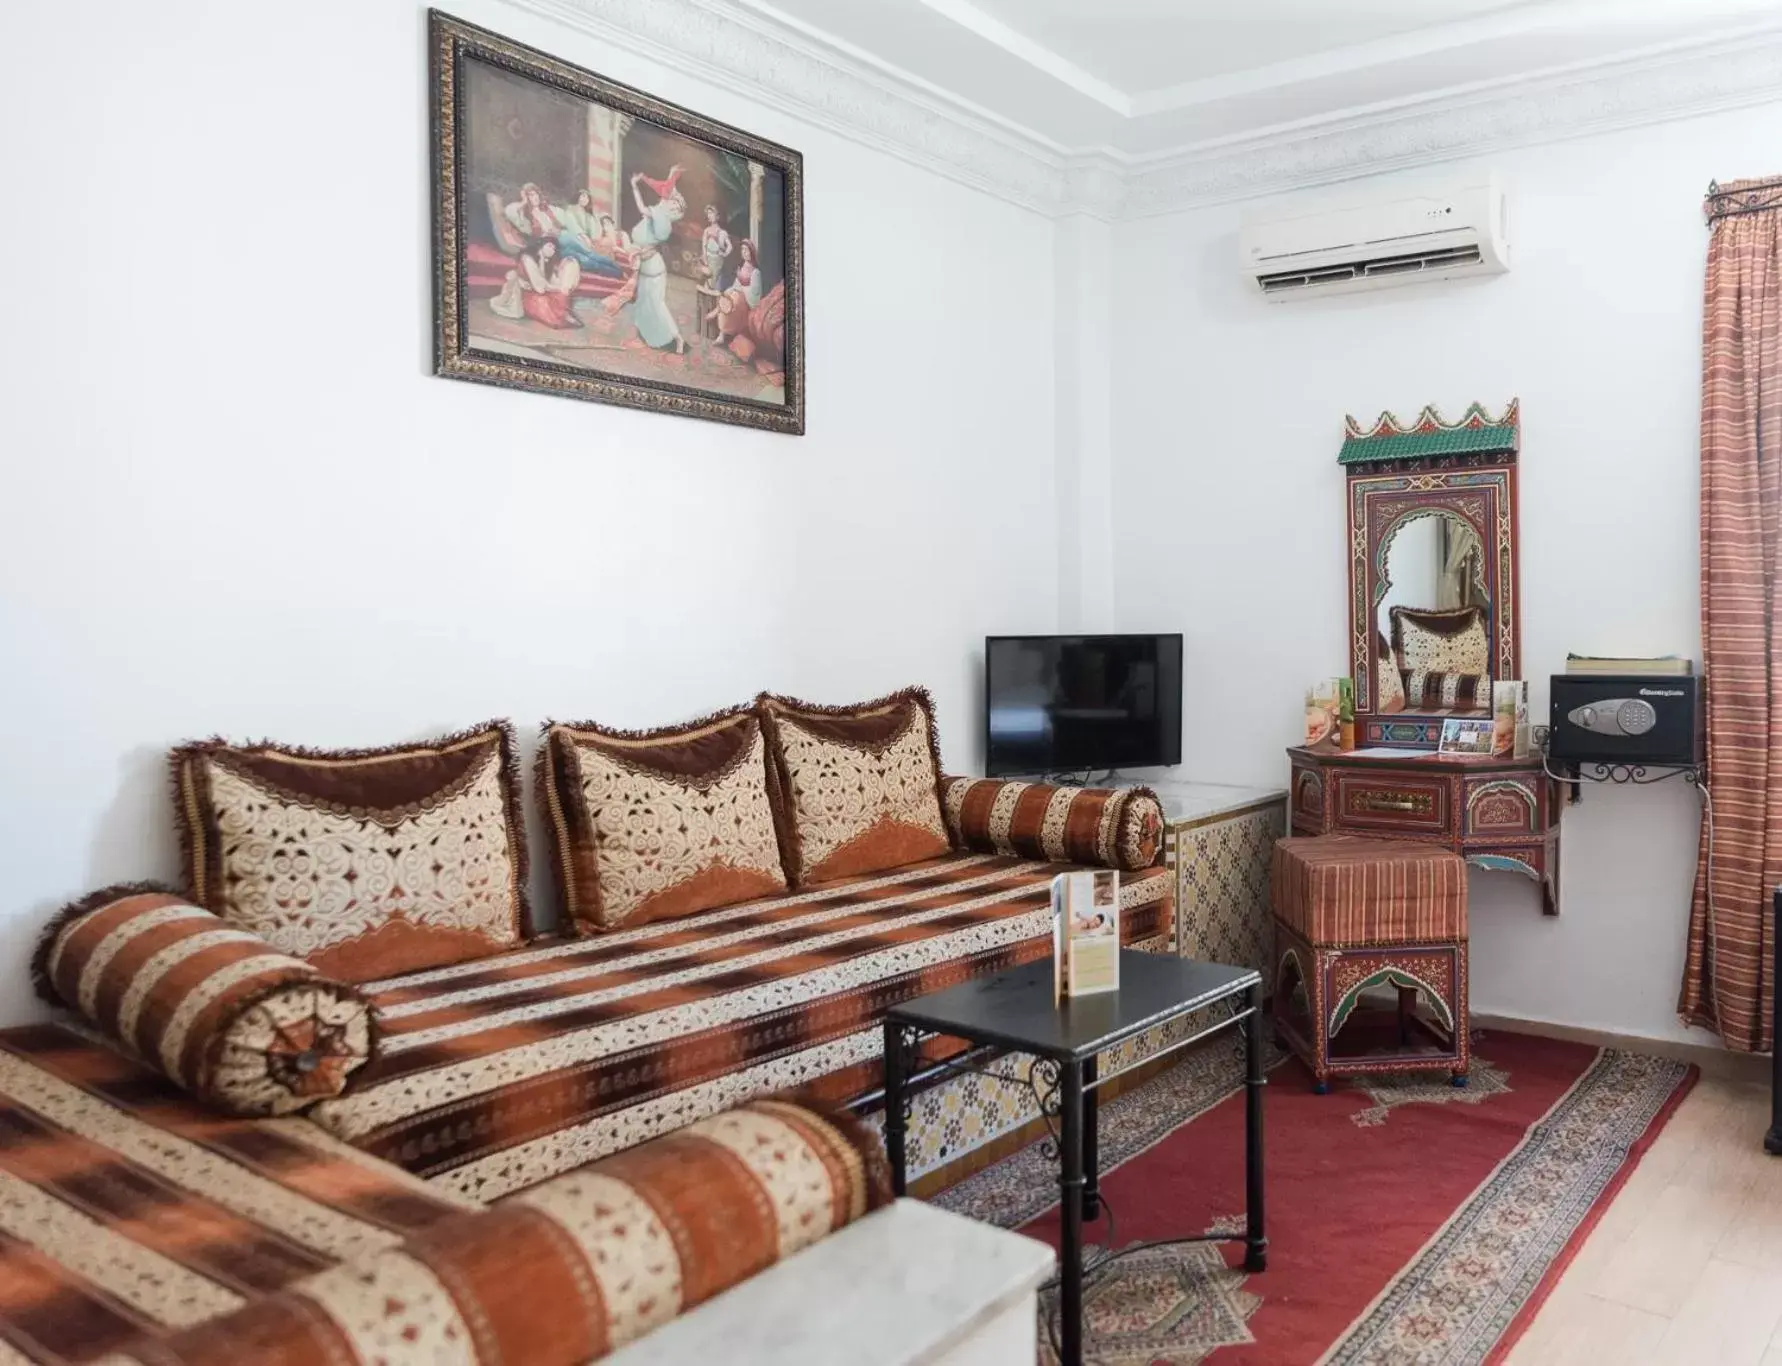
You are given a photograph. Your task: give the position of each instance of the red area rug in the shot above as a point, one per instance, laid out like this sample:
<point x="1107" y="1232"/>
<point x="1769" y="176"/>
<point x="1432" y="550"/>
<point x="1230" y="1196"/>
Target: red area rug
<point x="1408" y="1221"/>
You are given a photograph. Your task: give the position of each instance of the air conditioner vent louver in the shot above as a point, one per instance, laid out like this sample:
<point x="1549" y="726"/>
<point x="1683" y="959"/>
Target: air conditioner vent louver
<point x="1386" y="265"/>
<point x="1370" y="246"/>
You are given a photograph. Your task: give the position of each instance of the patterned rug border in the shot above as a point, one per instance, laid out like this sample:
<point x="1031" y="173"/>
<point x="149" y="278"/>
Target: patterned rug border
<point x="1625" y="1094"/>
<point x="1568" y="1167"/>
<point x="1630" y="1161"/>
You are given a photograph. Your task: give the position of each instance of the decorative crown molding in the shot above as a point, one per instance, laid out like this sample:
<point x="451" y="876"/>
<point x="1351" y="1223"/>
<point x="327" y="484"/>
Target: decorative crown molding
<point x="1603" y="98"/>
<point x="775" y="65"/>
<point x="856" y="97"/>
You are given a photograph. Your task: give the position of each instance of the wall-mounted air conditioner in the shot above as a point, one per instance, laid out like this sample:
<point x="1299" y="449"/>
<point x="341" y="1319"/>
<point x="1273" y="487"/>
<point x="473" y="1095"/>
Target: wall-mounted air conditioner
<point x="1440" y="234"/>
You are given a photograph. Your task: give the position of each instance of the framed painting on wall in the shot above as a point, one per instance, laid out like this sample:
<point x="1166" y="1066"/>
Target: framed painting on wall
<point x="593" y="241"/>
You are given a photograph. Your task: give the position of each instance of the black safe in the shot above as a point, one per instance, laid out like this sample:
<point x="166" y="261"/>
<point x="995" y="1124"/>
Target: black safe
<point x="1625" y="719"/>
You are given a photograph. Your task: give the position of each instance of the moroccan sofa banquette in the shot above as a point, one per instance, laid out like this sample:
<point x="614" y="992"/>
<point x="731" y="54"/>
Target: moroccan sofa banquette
<point x="343" y="1070"/>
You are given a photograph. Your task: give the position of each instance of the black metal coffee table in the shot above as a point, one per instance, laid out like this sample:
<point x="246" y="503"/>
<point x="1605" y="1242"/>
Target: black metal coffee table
<point x="1013" y="1011"/>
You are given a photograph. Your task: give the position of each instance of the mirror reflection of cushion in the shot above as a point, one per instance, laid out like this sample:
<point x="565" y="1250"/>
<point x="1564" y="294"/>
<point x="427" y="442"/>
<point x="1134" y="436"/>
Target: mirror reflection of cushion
<point x="1445" y="641"/>
<point x="1391" y="691"/>
<point x="1442" y="691"/>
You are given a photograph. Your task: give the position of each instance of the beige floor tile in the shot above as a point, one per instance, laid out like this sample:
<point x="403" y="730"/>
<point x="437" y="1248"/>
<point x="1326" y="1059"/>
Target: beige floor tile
<point x="1728" y="1319"/>
<point x="1661" y="1257"/>
<point x="1686" y="1260"/>
<point x="1574" y="1326"/>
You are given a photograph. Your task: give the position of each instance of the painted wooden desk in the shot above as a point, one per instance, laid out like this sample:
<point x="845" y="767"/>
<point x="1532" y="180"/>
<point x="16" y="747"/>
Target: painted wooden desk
<point x="1498" y="814"/>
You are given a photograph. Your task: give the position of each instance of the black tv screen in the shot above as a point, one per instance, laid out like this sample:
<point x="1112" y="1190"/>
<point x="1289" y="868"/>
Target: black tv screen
<point x="1062" y="704"/>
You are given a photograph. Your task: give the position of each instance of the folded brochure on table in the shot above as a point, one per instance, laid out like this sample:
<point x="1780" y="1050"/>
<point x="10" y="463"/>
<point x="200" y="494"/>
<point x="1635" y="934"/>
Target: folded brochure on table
<point x="1085" y="932"/>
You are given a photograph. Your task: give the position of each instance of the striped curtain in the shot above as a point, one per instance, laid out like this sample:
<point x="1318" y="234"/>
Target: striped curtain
<point x="1726" y="983"/>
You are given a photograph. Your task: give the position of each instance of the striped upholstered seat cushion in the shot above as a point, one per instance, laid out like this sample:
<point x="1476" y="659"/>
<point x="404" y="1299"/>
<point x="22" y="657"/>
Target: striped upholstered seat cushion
<point x="1113" y="827"/>
<point x="127" y="1207"/>
<point x="492" y="1076"/>
<point x="572" y="1269"/>
<point x="1346" y="891"/>
<point x="214" y="1008"/>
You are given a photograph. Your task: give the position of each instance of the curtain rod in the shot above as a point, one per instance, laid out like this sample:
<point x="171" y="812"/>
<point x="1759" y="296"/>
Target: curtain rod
<point x="1758" y="197"/>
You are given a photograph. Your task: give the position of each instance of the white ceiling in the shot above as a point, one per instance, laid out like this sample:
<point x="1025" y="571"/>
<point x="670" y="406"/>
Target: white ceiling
<point x="1137" y="45"/>
<point x="1148" y="79"/>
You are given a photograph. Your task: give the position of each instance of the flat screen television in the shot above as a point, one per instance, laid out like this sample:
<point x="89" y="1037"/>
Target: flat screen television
<point x="1064" y="704"/>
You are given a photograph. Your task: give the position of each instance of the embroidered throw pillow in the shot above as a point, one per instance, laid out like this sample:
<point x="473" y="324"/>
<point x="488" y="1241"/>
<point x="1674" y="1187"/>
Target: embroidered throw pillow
<point x="856" y="788"/>
<point x="650" y="825"/>
<point x="1449" y="641"/>
<point x="368" y="863"/>
<point x="247" y="1029"/>
<point x="1113" y="827"/>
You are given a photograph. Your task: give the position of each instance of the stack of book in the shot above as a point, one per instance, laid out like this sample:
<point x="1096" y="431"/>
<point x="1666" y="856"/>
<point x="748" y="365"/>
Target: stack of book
<point x="1665" y="666"/>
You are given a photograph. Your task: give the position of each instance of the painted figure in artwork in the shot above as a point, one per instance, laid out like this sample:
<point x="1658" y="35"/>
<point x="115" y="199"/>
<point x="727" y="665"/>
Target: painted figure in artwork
<point x="715" y="243"/>
<point x="580" y="234"/>
<point x="611" y="240"/>
<point x="737" y="304"/>
<point x="542" y="287"/>
<point x="748" y="275"/>
<point x="650" y="313"/>
<point x="531" y="213"/>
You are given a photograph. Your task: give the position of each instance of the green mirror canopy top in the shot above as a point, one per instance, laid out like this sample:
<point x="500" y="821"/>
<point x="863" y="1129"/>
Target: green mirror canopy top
<point x="1477" y="433"/>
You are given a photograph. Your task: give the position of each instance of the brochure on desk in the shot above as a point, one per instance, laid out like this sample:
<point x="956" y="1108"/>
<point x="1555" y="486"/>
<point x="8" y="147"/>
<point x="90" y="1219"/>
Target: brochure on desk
<point x="1085" y="932"/>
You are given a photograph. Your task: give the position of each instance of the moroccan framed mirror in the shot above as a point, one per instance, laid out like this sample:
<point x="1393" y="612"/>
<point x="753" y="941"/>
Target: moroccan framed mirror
<point x="1433" y="586"/>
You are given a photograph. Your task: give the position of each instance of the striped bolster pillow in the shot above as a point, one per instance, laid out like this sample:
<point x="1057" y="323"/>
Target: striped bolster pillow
<point x="571" y="1269"/>
<point x="1114" y="827"/>
<point x="1433" y="691"/>
<point x="248" y="1029"/>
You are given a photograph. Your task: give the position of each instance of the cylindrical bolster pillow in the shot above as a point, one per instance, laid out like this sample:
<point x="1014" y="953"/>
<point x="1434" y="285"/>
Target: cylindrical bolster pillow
<point x="248" y="1029"/>
<point x="572" y="1269"/>
<point x="1113" y="827"/>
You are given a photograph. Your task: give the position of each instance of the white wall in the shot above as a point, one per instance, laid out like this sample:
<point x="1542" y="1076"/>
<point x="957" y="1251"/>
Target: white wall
<point x="1229" y="513"/>
<point x="235" y="501"/>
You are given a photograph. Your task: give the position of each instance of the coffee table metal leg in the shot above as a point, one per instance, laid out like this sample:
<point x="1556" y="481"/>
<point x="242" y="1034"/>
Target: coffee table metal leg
<point x="1091" y="1144"/>
<point x="894" y="1104"/>
<point x="1255" y="1078"/>
<point x="1070" y="1189"/>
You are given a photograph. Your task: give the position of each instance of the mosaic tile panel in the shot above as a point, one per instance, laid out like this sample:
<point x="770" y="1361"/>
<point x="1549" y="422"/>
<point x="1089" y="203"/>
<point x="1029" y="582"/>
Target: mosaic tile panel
<point x="1221" y="872"/>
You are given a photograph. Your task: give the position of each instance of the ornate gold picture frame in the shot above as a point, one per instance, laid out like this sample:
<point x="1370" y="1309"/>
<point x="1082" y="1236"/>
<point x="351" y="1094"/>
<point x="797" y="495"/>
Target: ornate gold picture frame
<point x="593" y="241"/>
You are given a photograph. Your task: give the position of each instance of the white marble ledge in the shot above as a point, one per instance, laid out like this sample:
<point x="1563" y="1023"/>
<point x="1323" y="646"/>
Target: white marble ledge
<point x="903" y="1285"/>
<point x="1186" y="801"/>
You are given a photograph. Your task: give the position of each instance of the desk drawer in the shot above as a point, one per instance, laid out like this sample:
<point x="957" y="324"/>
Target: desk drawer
<point x="1381" y="803"/>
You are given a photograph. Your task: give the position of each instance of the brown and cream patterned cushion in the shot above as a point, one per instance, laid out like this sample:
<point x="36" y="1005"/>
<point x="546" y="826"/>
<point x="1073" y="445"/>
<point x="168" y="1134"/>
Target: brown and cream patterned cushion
<point x="365" y="862"/>
<point x="572" y="1269"/>
<point x="1446" y="641"/>
<point x="656" y="824"/>
<point x="1447" y="691"/>
<point x="1115" y="827"/>
<point x="246" y="1028"/>
<point x="856" y="788"/>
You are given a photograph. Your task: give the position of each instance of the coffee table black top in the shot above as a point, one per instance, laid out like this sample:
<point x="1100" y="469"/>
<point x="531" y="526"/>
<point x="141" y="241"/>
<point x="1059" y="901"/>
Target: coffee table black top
<point x="1014" y="1007"/>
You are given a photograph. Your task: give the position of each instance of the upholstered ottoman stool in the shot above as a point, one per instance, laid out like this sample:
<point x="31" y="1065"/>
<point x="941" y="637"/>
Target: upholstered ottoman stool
<point x="1352" y="914"/>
